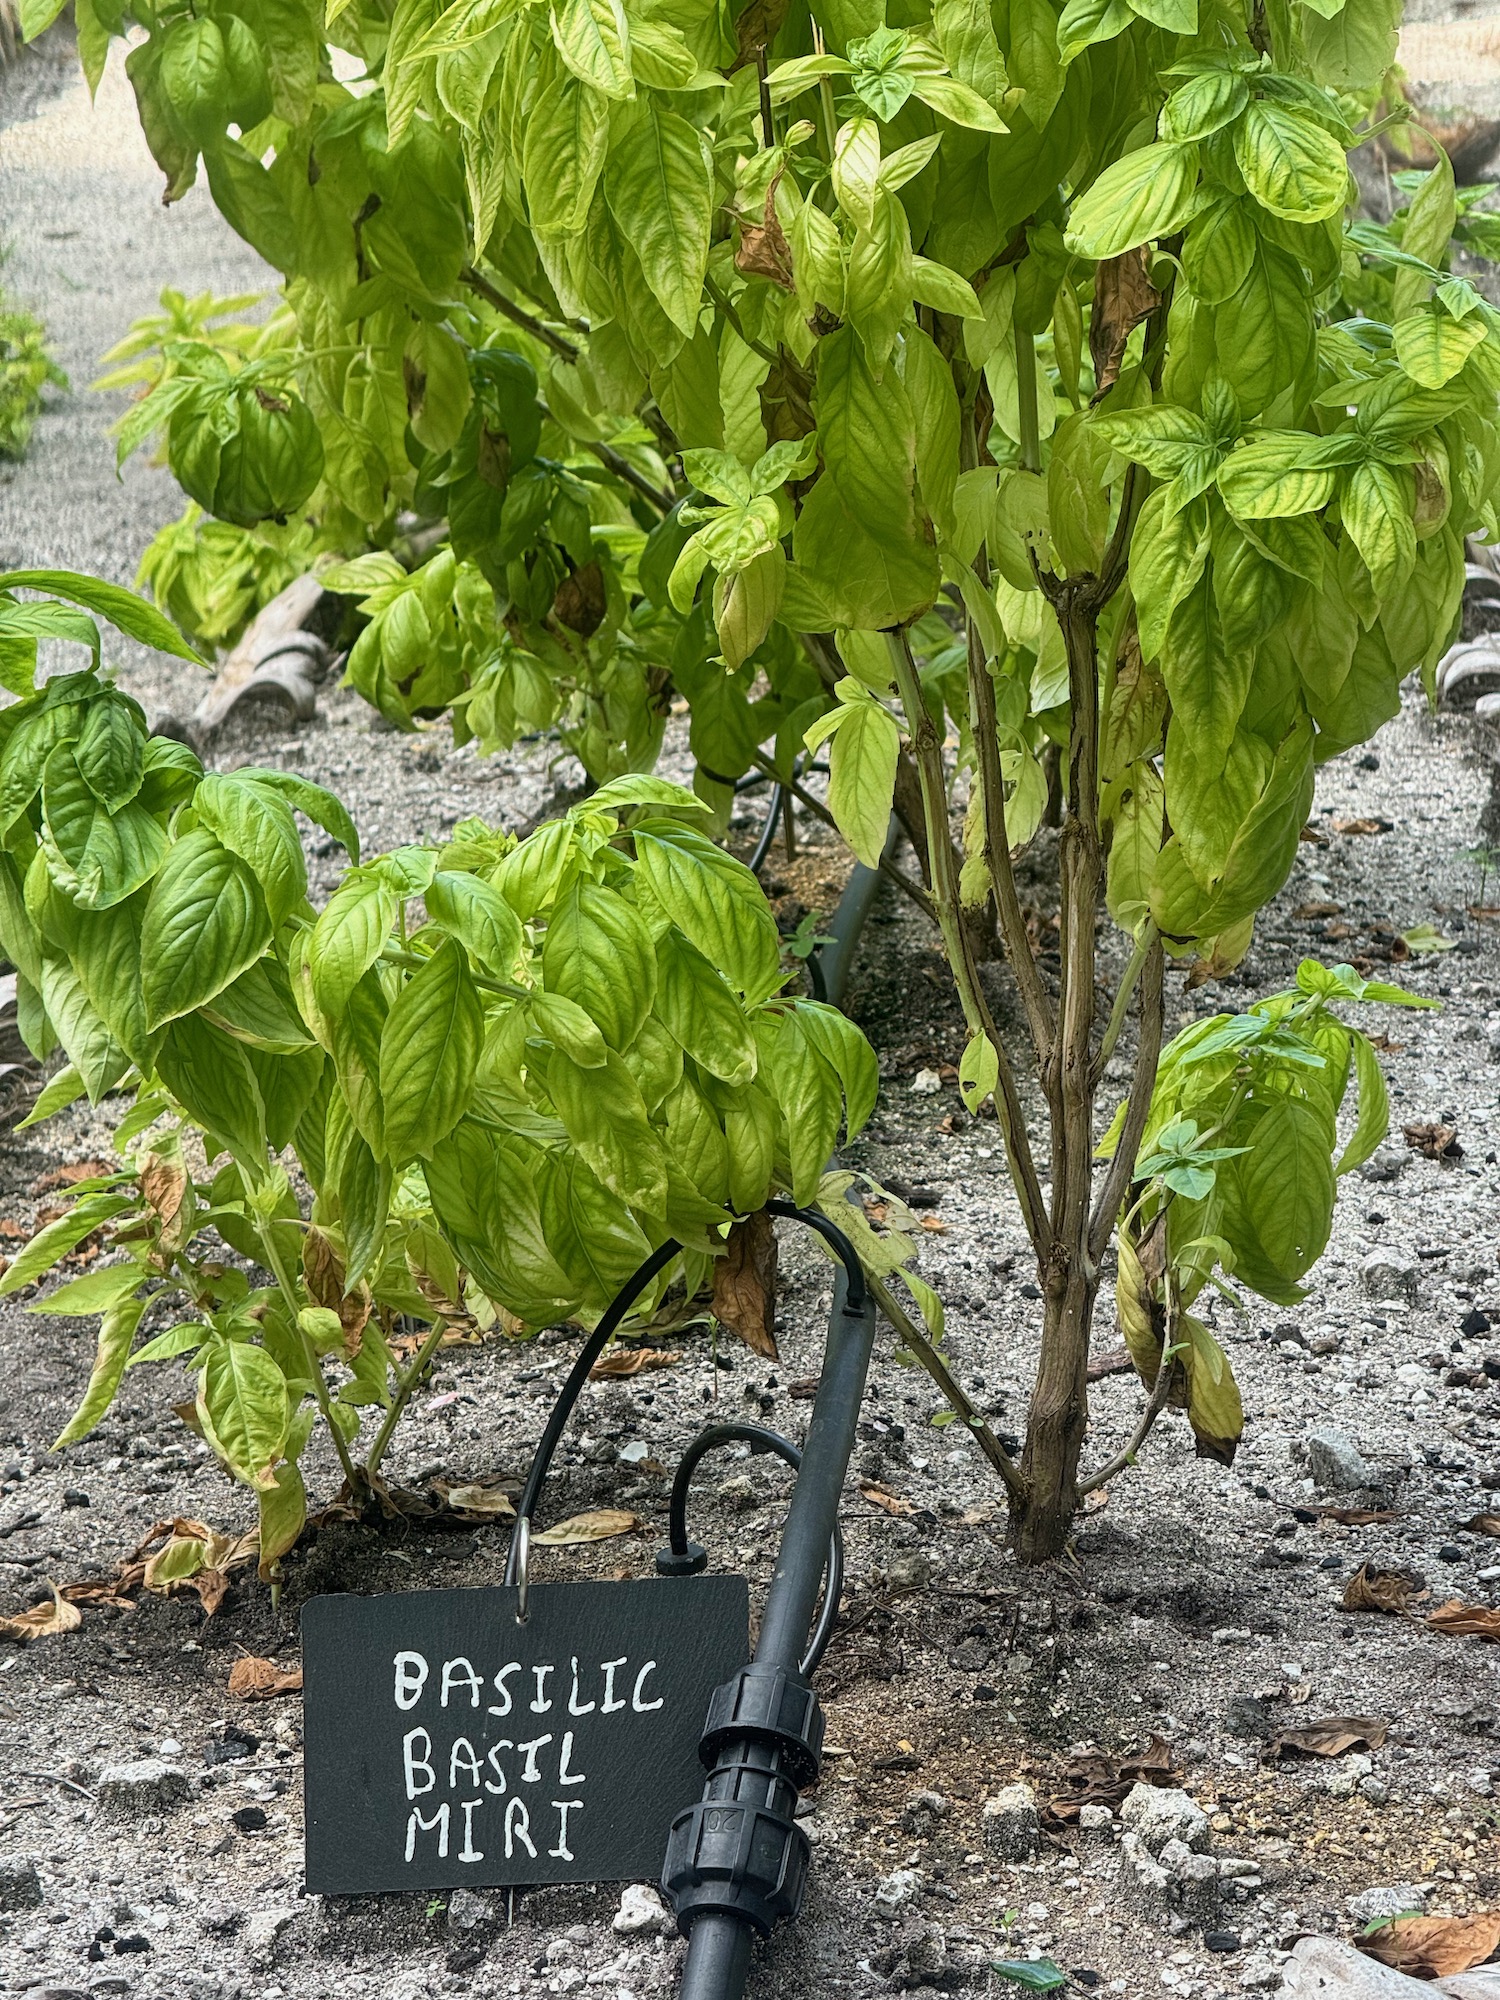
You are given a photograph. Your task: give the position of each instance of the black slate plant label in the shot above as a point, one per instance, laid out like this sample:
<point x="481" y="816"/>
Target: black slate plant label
<point x="445" y="1744"/>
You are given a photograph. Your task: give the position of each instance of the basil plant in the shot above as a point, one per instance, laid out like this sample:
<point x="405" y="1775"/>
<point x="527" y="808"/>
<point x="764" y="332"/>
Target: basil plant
<point x="1003" y="394"/>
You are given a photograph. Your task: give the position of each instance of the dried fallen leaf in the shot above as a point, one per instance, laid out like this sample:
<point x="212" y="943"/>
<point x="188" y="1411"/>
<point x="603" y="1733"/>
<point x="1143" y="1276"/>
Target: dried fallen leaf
<point x="878" y="1496"/>
<point x="251" y="1679"/>
<point x="1383" y="1042"/>
<point x="70" y="1176"/>
<point x="935" y="1224"/>
<point x="1483" y="1524"/>
<point x="487" y="1503"/>
<point x="1114" y="1361"/>
<point x="1466" y="1621"/>
<point x="632" y="1361"/>
<point x="1332" y="1736"/>
<point x="42" y="1621"/>
<point x="1363" y="825"/>
<point x="1307" y="912"/>
<point x="1434" y="1947"/>
<point x="596" y="1526"/>
<point x="745" y="1283"/>
<point x="1433" y="1141"/>
<point x="1095" y="1778"/>
<point x="1389" y="1590"/>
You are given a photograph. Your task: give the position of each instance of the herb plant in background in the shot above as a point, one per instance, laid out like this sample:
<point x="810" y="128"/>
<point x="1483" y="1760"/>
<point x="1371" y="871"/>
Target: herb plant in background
<point x="27" y="370"/>
<point x="968" y="387"/>
<point x="409" y="1114"/>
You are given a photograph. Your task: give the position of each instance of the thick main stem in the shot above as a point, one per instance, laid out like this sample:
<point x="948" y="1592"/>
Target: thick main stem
<point x="1058" y="1416"/>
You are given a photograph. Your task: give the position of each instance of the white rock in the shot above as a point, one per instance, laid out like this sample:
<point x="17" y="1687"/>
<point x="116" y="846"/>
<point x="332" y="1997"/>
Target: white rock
<point x="1157" y="1814"/>
<point x="1385" y="1274"/>
<point x="897" y="1891"/>
<point x="1095" y="1819"/>
<point x="1012" y="1828"/>
<point x="1335" y="1462"/>
<point x="1327" y="1967"/>
<point x="641" y="1913"/>
<point x="1388" y="1899"/>
<point x="1261" y="1971"/>
<point x="467" y="1911"/>
<point x="927" y="1083"/>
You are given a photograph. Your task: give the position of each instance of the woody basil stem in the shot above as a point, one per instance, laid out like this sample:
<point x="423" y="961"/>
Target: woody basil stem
<point x="1070" y="1231"/>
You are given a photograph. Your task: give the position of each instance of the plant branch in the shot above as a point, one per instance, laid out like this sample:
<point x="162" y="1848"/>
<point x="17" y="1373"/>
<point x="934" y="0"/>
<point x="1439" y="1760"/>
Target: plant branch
<point x="538" y="329"/>
<point x="394" y="955"/>
<point x="816" y="807"/>
<point x="730" y="311"/>
<point x="914" y="1336"/>
<point x="620" y="466"/>
<point x="1029" y="445"/>
<point x="1121" y="1007"/>
<point x="1142" y="1083"/>
<point x="276" y="1265"/>
<point x="928" y="753"/>
<point x="1156" y="1402"/>
<point x="997" y="852"/>
<point x="405" y="1386"/>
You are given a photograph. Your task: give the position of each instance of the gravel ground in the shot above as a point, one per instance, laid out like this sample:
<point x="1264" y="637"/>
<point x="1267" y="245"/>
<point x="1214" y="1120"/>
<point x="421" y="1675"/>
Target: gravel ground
<point x="1199" y="1604"/>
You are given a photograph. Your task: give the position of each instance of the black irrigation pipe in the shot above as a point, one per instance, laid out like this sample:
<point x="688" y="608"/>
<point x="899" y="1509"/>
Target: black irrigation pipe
<point x="830" y="965"/>
<point x="737" y="1861"/>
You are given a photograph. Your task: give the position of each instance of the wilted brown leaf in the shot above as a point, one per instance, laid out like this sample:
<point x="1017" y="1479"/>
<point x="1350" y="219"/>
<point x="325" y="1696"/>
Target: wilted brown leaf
<point x="1390" y="1590"/>
<point x="1483" y="1524"/>
<point x="745" y="1283"/>
<point x="481" y="1503"/>
<point x="757" y="27"/>
<point x="1332" y="1736"/>
<point x="764" y="251"/>
<point x="633" y="1361"/>
<point x="164" y="1183"/>
<point x="596" y="1526"/>
<point x="323" y="1268"/>
<point x="1363" y="825"/>
<point x="1466" y="1621"/>
<point x="252" y="1679"/>
<point x="878" y="1496"/>
<point x="1434" y="1947"/>
<point x="580" y="603"/>
<point x="1123" y="296"/>
<point x="42" y="1621"/>
<point x="786" y="400"/>
<point x="1433" y="1141"/>
<point x="1307" y="912"/>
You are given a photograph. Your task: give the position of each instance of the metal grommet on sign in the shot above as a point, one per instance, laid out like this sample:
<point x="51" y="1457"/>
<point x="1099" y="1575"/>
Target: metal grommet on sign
<point x="520" y="1551"/>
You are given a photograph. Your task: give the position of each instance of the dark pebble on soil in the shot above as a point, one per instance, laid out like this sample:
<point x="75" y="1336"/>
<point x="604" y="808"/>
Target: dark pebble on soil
<point x="126" y="1945"/>
<point x="1450" y="1552"/>
<point x="249" y="1819"/>
<point x="1222" y="1941"/>
<point x="74" y="1498"/>
<point x="1474" y="1321"/>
